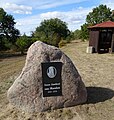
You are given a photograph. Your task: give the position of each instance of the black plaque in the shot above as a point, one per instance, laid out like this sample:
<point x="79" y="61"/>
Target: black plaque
<point x="51" y="79"/>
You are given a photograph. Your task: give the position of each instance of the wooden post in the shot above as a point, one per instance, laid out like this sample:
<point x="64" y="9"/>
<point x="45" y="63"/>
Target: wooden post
<point x="112" y="44"/>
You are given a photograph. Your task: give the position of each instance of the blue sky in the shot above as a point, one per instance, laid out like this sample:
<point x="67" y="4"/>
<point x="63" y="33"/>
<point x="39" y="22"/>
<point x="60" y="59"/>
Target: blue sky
<point x="28" y="14"/>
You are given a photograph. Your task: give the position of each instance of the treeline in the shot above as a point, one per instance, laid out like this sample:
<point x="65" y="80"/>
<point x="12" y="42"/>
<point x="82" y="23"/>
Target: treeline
<point x="53" y="31"/>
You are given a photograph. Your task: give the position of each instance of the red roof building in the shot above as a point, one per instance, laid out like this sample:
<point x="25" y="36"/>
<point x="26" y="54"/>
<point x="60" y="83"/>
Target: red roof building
<point x="107" y="24"/>
<point x="101" y="37"/>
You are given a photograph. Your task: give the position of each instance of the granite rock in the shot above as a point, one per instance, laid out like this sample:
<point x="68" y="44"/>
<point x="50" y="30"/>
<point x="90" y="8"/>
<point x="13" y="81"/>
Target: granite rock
<point x="26" y="92"/>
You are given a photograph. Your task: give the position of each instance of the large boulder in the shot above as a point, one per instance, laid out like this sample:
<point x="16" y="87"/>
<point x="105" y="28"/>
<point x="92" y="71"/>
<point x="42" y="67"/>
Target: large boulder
<point x="26" y="92"/>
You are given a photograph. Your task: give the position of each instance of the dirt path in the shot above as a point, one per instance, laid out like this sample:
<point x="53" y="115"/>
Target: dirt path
<point x="97" y="71"/>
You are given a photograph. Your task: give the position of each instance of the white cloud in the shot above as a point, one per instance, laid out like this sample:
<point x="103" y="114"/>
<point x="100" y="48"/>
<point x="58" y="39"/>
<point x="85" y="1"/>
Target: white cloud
<point x="74" y="18"/>
<point x="55" y="3"/>
<point x="108" y="3"/>
<point x="41" y="4"/>
<point x="19" y="9"/>
<point x="24" y="6"/>
<point x="28" y="24"/>
<point x="54" y="14"/>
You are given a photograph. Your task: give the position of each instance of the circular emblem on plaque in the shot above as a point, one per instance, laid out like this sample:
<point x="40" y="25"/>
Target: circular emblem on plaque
<point x="51" y="72"/>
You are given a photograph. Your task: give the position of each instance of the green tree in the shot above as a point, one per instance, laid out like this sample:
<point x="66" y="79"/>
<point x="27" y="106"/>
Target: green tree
<point x="51" y="31"/>
<point x="84" y="32"/>
<point x="112" y="16"/>
<point x="77" y="34"/>
<point x="7" y="29"/>
<point x="23" y="42"/>
<point x="99" y="14"/>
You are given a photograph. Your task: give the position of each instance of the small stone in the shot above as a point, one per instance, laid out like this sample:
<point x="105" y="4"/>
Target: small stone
<point x="26" y="92"/>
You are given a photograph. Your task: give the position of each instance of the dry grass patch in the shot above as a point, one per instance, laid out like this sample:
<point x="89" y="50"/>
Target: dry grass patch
<point x="97" y="72"/>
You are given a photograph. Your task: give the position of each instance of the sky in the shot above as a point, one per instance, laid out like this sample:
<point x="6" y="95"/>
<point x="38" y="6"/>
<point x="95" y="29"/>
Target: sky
<point x="28" y="14"/>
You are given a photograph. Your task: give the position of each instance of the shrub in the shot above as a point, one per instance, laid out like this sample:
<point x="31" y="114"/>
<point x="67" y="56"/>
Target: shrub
<point x="62" y="43"/>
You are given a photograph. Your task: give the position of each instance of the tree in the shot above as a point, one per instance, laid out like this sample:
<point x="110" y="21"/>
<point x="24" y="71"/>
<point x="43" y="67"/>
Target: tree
<point x="7" y="29"/>
<point x="23" y="42"/>
<point x="52" y="31"/>
<point x="98" y="15"/>
<point x="112" y="15"/>
<point x="77" y="34"/>
<point x="84" y="32"/>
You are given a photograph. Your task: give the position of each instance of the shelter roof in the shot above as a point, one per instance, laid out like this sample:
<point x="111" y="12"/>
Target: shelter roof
<point x="107" y="24"/>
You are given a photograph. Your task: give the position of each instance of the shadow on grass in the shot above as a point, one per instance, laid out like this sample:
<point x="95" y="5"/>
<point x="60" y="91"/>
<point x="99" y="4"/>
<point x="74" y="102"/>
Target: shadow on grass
<point x="10" y="55"/>
<point x="99" y="94"/>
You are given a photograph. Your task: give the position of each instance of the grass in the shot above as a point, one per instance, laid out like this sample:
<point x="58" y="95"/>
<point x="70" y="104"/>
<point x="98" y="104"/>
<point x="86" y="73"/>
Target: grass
<point x="97" y="72"/>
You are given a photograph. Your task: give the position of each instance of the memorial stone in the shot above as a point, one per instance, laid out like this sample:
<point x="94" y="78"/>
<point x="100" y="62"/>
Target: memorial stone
<point x="34" y="92"/>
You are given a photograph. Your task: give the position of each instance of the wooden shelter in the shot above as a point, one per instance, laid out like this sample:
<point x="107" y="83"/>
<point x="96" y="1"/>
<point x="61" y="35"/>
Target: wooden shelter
<point x="101" y="37"/>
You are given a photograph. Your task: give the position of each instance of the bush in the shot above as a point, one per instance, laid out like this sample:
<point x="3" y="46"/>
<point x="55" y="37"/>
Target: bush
<point x="23" y="43"/>
<point x="51" y="31"/>
<point x="62" y="43"/>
